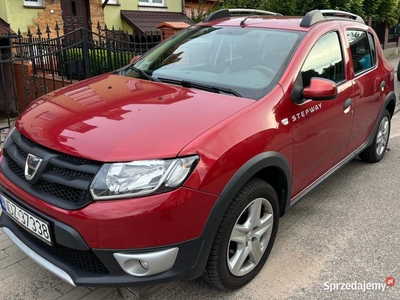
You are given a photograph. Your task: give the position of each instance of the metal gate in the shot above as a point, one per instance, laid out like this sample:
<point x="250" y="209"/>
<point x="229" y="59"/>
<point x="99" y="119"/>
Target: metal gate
<point x="42" y="62"/>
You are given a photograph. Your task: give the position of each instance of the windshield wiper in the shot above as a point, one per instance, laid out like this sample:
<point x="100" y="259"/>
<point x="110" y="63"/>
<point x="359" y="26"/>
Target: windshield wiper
<point x="144" y="74"/>
<point x="205" y="87"/>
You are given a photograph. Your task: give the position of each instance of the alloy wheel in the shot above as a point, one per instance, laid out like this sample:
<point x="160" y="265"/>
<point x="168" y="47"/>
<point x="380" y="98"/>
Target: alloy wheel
<point x="250" y="236"/>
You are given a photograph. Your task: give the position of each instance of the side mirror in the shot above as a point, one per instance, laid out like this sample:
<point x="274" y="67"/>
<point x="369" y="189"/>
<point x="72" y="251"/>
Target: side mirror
<point x="134" y="59"/>
<point x="320" y="89"/>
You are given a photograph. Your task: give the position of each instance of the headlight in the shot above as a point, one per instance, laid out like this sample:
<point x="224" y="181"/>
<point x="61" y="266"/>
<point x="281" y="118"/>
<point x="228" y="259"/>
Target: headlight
<point x="139" y="178"/>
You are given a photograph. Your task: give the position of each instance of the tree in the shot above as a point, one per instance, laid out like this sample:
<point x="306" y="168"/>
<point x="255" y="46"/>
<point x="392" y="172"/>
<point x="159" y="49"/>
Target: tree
<point x="252" y="4"/>
<point x="382" y="10"/>
<point x="197" y="15"/>
<point x="379" y="10"/>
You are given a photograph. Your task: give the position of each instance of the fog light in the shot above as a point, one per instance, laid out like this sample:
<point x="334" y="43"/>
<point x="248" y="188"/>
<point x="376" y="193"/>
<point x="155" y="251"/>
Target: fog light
<point x="144" y="264"/>
<point x="147" y="264"/>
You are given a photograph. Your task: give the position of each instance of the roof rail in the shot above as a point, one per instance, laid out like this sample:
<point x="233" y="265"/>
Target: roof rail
<point x="316" y="16"/>
<point x="227" y="13"/>
<point x="253" y="11"/>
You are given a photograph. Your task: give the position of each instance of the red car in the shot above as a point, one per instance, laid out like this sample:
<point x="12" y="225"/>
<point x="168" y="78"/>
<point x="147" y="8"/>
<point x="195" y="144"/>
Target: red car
<point x="181" y="164"/>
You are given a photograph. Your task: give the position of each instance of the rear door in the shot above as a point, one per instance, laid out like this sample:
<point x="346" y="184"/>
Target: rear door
<point x="369" y="79"/>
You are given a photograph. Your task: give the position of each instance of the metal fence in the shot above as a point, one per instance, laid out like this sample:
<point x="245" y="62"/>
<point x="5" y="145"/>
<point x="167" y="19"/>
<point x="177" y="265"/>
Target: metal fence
<point x="43" y="61"/>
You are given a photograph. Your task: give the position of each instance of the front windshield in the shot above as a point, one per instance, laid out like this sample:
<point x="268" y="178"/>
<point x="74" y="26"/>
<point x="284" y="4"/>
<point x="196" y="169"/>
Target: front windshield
<point x="246" y="60"/>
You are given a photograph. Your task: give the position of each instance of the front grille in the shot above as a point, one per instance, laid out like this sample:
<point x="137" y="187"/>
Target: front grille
<point x="16" y="169"/>
<point x="63" y="192"/>
<point x="28" y="141"/>
<point x="84" y="260"/>
<point x="74" y="159"/>
<point x="71" y="173"/>
<point x="22" y="152"/>
<point x="63" y="180"/>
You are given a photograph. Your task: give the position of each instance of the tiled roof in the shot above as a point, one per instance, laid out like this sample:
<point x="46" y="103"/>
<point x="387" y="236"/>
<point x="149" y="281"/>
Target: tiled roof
<point x="142" y="21"/>
<point x="4" y="29"/>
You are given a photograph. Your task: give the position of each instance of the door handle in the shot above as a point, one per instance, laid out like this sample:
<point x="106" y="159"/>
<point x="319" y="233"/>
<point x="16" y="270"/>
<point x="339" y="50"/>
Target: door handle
<point x="347" y="105"/>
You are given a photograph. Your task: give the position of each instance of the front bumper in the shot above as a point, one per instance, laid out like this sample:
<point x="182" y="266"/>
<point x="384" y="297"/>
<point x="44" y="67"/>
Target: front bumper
<point x="88" y="258"/>
<point x="97" y="267"/>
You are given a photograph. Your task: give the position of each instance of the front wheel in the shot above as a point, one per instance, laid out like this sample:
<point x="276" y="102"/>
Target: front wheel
<point x="245" y="236"/>
<point x="377" y="149"/>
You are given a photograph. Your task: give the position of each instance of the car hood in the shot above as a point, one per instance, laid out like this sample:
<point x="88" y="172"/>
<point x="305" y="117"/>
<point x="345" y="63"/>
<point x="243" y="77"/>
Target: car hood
<point x="115" y="118"/>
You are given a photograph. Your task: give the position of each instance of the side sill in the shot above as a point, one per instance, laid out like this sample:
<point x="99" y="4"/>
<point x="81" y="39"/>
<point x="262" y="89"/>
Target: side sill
<point x="325" y="176"/>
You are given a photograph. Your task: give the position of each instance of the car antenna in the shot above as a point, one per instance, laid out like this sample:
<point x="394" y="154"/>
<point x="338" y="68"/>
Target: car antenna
<point x="242" y="23"/>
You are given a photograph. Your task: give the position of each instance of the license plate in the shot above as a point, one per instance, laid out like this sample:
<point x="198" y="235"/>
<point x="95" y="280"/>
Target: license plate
<point x="35" y="225"/>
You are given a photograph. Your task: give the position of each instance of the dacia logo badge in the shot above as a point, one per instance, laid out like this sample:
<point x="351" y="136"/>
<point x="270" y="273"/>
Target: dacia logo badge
<point x="32" y="165"/>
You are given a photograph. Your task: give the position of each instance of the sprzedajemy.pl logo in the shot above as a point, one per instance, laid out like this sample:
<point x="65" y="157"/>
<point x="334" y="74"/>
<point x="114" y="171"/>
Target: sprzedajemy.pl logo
<point x="359" y="285"/>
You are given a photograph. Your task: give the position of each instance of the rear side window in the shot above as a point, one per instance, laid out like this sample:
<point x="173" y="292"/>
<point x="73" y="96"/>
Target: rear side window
<point x="362" y="49"/>
<point x="324" y="60"/>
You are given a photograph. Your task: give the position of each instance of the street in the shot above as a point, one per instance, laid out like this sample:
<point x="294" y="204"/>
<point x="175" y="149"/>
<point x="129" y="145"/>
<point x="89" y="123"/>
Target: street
<point x="344" y="235"/>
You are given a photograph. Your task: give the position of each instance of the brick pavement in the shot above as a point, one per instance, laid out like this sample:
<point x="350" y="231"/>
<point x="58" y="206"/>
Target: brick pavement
<point x="21" y="278"/>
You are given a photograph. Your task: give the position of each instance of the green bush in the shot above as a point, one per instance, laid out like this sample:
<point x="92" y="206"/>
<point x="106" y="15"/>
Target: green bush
<point x="100" y="61"/>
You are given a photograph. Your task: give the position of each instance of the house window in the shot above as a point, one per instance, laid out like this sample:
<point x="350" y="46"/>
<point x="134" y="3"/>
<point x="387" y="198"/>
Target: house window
<point x="34" y="3"/>
<point x="114" y="2"/>
<point x="152" y="2"/>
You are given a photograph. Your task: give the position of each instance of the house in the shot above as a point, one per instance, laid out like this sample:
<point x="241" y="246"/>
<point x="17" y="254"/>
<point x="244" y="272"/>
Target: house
<point x="38" y="13"/>
<point x="6" y="90"/>
<point x="143" y="16"/>
<point x="127" y="15"/>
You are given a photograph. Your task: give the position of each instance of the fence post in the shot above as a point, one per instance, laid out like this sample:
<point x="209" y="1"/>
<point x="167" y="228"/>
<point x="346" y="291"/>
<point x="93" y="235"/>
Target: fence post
<point x="60" y="54"/>
<point x="108" y="48"/>
<point x="32" y="55"/>
<point x="85" y="52"/>
<point x="42" y="57"/>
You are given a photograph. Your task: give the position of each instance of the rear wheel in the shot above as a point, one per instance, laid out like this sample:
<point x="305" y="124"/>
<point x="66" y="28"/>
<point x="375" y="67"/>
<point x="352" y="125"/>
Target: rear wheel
<point x="245" y="236"/>
<point x="377" y="149"/>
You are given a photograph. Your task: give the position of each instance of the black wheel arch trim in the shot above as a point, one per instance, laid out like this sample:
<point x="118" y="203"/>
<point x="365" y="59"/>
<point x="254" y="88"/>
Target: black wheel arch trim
<point x="247" y="171"/>
<point x="390" y="97"/>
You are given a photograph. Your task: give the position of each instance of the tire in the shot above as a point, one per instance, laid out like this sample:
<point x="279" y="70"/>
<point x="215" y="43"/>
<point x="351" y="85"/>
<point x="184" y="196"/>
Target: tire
<point x="245" y="236"/>
<point x="377" y="149"/>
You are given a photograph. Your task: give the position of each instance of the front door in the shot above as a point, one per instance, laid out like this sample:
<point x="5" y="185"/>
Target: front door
<point x="321" y="129"/>
<point x="75" y="14"/>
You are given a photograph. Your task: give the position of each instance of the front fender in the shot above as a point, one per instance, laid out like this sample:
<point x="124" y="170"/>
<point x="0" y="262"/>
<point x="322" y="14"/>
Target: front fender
<point x="247" y="171"/>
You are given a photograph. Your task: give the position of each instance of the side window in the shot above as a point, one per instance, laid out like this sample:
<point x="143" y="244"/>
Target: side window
<point x="373" y="50"/>
<point x="324" y="60"/>
<point x="362" y="50"/>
